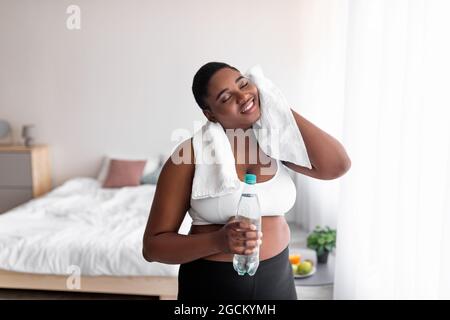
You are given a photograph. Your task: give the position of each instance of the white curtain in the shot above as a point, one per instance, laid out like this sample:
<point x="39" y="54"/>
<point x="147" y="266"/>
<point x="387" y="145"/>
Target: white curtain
<point x="322" y="33"/>
<point x="393" y="207"/>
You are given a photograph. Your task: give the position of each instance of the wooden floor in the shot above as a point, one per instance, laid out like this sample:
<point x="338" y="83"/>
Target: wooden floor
<point x="13" y="294"/>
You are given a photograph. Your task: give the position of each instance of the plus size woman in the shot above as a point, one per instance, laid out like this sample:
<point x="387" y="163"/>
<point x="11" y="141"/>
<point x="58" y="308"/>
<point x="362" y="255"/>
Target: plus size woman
<point x="206" y="253"/>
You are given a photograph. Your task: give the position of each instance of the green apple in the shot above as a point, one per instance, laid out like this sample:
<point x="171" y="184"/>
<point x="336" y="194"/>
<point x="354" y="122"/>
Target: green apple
<point x="294" y="268"/>
<point x="304" y="267"/>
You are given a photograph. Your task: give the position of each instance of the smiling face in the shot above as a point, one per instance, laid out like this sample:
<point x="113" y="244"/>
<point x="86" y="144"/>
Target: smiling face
<point x="232" y="100"/>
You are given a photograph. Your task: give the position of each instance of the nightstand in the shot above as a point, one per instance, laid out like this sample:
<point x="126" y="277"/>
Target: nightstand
<point x="24" y="174"/>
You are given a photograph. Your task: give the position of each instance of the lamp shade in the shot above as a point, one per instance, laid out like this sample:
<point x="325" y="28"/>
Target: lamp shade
<point x="28" y="131"/>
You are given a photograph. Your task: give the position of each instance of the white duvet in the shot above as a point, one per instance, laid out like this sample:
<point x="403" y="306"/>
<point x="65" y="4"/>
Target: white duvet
<point x="80" y="226"/>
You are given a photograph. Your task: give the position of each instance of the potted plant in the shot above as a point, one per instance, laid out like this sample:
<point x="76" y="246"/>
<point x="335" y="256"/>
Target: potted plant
<point x="323" y="241"/>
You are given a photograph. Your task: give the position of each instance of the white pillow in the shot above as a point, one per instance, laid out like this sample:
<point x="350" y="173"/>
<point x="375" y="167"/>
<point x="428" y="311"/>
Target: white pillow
<point x="150" y="166"/>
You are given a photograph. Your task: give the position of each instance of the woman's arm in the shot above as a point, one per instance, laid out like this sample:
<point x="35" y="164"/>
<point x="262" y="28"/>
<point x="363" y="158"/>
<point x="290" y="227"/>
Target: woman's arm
<point x="328" y="157"/>
<point x="174" y="248"/>
<point x="161" y="241"/>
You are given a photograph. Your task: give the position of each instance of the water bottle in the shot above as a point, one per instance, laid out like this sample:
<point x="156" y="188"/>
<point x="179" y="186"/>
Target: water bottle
<point x="249" y="211"/>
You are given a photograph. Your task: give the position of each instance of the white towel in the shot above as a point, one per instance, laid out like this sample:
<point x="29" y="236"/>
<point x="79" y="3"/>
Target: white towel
<point x="276" y="131"/>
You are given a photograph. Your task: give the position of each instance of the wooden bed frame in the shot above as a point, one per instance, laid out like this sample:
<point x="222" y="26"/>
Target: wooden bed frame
<point x="165" y="288"/>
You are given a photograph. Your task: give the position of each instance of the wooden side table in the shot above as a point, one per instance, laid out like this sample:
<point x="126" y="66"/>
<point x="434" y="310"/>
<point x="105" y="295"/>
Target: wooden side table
<point x="24" y="174"/>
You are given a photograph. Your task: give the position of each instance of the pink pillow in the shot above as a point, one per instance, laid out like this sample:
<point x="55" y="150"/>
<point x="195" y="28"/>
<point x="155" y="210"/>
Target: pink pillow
<point x="124" y="173"/>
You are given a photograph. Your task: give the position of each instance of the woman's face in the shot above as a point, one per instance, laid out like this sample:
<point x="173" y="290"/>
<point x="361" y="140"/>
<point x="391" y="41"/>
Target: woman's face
<point x="232" y="99"/>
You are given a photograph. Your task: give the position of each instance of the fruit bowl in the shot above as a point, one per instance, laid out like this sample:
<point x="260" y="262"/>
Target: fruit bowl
<point x="299" y="276"/>
<point x="301" y="268"/>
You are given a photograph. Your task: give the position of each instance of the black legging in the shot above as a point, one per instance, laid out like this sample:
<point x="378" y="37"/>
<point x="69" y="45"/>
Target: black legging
<point x="216" y="280"/>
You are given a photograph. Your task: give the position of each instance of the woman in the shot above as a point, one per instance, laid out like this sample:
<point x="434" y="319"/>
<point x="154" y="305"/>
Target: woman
<point x="206" y="253"/>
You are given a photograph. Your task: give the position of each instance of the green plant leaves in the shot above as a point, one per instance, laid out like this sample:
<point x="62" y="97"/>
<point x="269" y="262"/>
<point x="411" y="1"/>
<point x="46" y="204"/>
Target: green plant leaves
<point x="322" y="239"/>
<point x="320" y="251"/>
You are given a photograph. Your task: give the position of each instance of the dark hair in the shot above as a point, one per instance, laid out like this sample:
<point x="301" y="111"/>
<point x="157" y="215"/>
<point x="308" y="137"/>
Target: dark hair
<point x="201" y="80"/>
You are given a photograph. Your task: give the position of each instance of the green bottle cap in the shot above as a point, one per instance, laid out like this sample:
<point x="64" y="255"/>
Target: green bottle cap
<point x="250" y="178"/>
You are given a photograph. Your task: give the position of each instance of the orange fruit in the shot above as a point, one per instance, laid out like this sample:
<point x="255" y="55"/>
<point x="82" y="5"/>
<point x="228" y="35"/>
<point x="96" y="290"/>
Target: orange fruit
<point x="294" y="258"/>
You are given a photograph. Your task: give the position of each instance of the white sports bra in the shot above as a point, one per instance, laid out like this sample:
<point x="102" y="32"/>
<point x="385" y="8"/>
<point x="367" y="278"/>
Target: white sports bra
<point x="276" y="197"/>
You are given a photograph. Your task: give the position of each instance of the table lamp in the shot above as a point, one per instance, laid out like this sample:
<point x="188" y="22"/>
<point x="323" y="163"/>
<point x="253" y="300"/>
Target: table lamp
<point x="28" y="134"/>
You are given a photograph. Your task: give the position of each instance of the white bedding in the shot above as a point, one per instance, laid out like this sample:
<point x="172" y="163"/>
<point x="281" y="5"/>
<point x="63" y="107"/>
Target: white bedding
<point x="81" y="224"/>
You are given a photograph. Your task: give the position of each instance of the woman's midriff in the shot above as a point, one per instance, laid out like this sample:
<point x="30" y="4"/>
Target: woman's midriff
<point x="276" y="237"/>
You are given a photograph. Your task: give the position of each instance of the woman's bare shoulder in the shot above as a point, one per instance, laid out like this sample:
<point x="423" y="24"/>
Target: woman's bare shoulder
<point x="180" y="164"/>
<point x="183" y="154"/>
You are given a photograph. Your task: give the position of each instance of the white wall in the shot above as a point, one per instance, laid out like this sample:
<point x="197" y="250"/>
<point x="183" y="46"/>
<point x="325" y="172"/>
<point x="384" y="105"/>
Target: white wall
<point x="122" y="83"/>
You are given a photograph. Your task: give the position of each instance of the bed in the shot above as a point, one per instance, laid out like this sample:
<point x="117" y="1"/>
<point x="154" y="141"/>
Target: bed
<point x="85" y="238"/>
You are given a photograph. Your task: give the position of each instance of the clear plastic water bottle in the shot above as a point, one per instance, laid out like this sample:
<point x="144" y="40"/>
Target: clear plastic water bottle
<point x="249" y="210"/>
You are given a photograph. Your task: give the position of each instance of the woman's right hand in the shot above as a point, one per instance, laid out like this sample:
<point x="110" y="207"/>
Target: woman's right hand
<point x="239" y="237"/>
